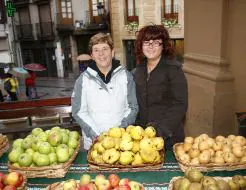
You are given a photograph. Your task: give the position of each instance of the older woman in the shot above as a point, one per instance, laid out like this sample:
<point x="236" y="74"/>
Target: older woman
<point x="104" y="95"/>
<point x="160" y="84"/>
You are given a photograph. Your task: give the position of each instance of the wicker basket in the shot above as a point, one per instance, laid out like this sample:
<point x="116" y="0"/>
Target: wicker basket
<point x="140" y="167"/>
<point x="170" y="187"/>
<point x="4" y="144"/>
<point x="209" y="166"/>
<point x="54" y="171"/>
<point x="23" y="185"/>
<point x="59" y="186"/>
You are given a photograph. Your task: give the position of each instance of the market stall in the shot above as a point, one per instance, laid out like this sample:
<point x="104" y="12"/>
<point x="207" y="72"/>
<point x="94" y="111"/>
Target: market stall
<point x="157" y="179"/>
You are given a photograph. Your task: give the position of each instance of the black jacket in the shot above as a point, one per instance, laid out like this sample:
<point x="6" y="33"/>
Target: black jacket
<point x="163" y="99"/>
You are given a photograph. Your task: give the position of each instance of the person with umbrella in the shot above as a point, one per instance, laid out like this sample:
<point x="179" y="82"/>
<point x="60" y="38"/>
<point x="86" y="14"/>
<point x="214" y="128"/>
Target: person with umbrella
<point x="30" y="83"/>
<point x="13" y="85"/>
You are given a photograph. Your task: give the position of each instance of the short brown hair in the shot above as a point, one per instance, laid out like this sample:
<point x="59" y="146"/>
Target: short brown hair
<point x="99" y="39"/>
<point x="153" y="32"/>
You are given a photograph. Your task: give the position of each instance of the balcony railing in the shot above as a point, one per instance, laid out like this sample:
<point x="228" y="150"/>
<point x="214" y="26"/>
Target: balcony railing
<point x="20" y="2"/>
<point x="45" y="30"/>
<point x="24" y="32"/>
<point x="171" y="12"/>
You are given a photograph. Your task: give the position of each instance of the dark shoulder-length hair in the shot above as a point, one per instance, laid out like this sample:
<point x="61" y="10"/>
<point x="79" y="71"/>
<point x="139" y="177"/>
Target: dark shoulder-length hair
<point x="153" y="32"/>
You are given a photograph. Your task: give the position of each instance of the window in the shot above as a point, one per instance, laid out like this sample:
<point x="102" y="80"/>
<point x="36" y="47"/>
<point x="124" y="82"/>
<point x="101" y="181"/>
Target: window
<point x="66" y="9"/>
<point x="2" y="12"/>
<point x="170" y="9"/>
<point x="97" y="10"/>
<point x="132" y="10"/>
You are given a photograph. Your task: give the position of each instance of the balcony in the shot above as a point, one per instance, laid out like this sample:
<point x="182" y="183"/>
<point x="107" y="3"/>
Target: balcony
<point x="20" y="2"/>
<point x="45" y="31"/>
<point x="24" y="32"/>
<point x="65" y="21"/>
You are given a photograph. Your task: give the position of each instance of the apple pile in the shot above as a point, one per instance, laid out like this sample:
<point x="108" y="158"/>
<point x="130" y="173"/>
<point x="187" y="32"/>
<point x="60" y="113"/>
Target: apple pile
<point x="102" y="183"/>
<point x="194" y="180"/>
<point x="11" y="181"/>
<point x="44" y="148"/>
<point x="131" y="146"/>
<point x="219" y="150"/>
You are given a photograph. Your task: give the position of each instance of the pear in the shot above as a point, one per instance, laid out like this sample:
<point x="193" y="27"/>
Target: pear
<point x="211" y="187"/>
<point x="233" y="185"/>
<point x="206" y="180"/>
<point x="184" y="184"/>
<point x="239" y="179"/>
<point x="223" y="185"/>
<point x="176" y="183"/>
<point x="195" y="186"/>
<point x="194" y="175"/>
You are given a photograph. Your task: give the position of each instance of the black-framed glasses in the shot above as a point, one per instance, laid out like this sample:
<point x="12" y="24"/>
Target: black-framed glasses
<point x="154" y="43"/>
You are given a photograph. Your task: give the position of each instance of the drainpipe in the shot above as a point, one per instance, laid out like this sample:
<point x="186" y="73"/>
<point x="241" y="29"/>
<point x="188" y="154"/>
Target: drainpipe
<point x="59" y="60"/>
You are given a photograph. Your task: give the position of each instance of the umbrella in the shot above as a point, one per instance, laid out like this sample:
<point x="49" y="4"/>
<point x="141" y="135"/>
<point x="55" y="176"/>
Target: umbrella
<point x="18" y="72"/>
<point x="34" y="67"/>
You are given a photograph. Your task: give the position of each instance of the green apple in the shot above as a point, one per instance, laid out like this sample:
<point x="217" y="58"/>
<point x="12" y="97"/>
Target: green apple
<point x="35" y="144"/>
<point x="85" y="179"/>
<point x="62" y="153"/>
<point x="14" y="155"/>
<point x="70" y="151"/>
<point x="54" y="138"/>
<point x="44" y="148"/>
<point x="36" y="131"/>
<point x="56" y="128"/>
<point x="26" y="143"/>
<point x="73" y="143"/>
<point x="43" y="136"/>
<point x="17" y="143"/>
<point x="48" y="131"/>
<point x="65" y="137"/>
<point x="35" y="156"/>
<point x="30" y="151"/>
<point x="43" y="160"/>
<point x="53" y="158"/>
<point x="74" y="135"/>
<point x="25" y="159"/>
<point x="20" y="149"/>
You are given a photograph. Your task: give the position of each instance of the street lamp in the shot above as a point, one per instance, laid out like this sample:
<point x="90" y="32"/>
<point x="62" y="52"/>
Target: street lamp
<point x="100" y="8"/>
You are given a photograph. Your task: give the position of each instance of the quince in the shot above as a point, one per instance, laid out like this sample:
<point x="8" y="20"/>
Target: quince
<point x="158" y="158"/>
<point x="126" y="157"/>
<point x="145" y="144"/>
<point x="126" y="136"/>
<point x="150" y="132"/>
<point x="137" y="159"/>
<point x="129" y="128"/>
<point x="94" y="154"/>
<point x="117" y="143"/>
<point x="149" y="155"/>
<point x="100" y="148"/>
<point x="102" y="135"/>
<point x="99" y="159"/>
<point x="158" y="143"/>
<point x="115" y="132"/>
<point x="108" y="142"/>
<point x="123" y="130"/>
<point x="110" y="156"/>
<point x="126" y="145"/>
<point x="137" y="133"/>
<point x="135" y="147"/>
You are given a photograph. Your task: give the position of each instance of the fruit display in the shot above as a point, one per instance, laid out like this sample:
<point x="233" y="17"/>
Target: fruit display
<point x="130" y="147"/>
<point x="195" y="180"/>
<point x="12" y="181"/>
<point x="4" y="144"/>
<point x="218" y="153"/>
<point x="100" y="182"/>
<point x="44" y="150"/>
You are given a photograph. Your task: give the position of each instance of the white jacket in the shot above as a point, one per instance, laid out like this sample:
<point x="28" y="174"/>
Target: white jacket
<point x="97" y="106"/>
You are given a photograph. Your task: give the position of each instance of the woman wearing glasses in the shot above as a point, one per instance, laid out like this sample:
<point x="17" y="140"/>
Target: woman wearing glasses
<point x="104" y="95"/>
<point x="161" y="84"/>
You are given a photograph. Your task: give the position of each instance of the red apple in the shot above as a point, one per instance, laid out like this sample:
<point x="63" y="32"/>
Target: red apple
<point x="99" y="178"/>
<point x="92" y="186"/>
<point x="123" y="187"/>
<point x="124" y="181"/>
<point x="83" y="187"/>
<point x="9" y="187"/>
<point x="114" y="180"/>
<point x="2" y="176"/>
<point x="103" y="185"/>
<point x="1" y="185"/>
<point x="13" y="178"/>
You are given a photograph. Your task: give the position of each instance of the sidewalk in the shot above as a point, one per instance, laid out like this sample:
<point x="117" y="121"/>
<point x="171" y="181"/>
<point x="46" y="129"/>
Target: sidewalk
<point x="48" y="87"/>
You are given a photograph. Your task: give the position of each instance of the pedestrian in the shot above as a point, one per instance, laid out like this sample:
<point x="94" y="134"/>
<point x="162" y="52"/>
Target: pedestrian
<point x="104" y="95"/>
<point x="161" y="85"/>
<point x="30" y="83"/>
<point x="11" y="84"/>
